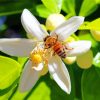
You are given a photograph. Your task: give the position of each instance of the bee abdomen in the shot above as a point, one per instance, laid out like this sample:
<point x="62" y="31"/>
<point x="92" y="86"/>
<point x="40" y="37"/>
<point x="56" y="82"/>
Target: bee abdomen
<point x="59" y="50"/>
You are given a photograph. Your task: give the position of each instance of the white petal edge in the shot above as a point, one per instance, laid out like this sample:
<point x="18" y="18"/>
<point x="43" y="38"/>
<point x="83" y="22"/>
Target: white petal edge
<point x="79" y="47"/>
<point x="17" y="47"/>
<point x="68" y="27"/>
<point x="29" y="77"/>
<point x="32" y="26"/>
<point x="60" y="73"/>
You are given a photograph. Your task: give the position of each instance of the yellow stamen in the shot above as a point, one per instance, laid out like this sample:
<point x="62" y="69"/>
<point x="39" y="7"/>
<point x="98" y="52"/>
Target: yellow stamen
<point x="36" y="58"/>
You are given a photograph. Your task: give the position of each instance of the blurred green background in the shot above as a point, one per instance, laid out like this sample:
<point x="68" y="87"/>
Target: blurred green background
<point x="85" y="82"/>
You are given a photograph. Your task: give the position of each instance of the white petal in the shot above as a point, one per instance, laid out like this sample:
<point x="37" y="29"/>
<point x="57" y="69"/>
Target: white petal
<point x="68" y="27"/>
<point x="17" y="47"/>
<point x="79" y="47"/>
<point x="31" y="25"/>
<point x="28" y="78"/>
<point x="60" y="73"/>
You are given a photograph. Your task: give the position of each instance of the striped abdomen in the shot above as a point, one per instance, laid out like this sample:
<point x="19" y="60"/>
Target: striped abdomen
<point x="59" y="49"/>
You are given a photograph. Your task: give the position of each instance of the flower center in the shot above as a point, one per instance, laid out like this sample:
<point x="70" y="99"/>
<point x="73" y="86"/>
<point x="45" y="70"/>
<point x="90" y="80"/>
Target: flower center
<point x="36" y="58"/>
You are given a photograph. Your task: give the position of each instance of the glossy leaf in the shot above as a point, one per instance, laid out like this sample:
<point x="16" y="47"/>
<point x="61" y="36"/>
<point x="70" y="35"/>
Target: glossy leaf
<point x="7" y="95"/>
<point x="9" y="73"/>
<point x="53" y="5"/>
<point x="97" y="1"/>
<point x="96" y="60"/>
<point x="45" y="89"/>
<point x="43" y="11"/>
<point x="88" y="7"/>
<point x="90" y="85"/>
<point x="96" y="63"/>
<point x="22" y="60"/>
<point x="94" y="25"/>
<point x="69" y="6"/>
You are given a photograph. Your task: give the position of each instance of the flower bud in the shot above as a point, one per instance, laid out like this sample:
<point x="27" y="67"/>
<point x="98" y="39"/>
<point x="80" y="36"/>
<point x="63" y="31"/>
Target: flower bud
<point x="96" y="35"/>
<point x="85" y="60"/>
<point x="70" y="60"/>
<point x="54" y="20"/>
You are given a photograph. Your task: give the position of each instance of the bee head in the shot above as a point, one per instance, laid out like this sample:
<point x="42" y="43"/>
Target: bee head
<point x="49" y="41"/>
<point x="46" y="38"/>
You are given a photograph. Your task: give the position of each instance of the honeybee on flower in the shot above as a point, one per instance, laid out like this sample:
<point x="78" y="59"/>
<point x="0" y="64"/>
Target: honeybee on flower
<point x="47" y="54"/>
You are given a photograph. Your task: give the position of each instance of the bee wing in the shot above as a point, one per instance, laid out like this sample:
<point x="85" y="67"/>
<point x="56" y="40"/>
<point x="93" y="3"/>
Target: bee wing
<point x="32" y="26"/>
<point x="68" y="27"/>
<point x="28" y="78"/>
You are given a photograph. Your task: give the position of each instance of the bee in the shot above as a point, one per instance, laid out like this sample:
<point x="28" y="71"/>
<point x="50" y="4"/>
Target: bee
<point x="56" y="45"/>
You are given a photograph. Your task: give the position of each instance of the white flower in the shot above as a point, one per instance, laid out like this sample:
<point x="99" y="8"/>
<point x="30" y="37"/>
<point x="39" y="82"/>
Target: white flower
<point x="23" y="47"/>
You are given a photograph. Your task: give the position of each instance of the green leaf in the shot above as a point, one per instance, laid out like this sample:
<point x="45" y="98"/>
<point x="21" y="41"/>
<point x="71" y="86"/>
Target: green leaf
<point x="88" y="7"/>
<point x="69" y="7"/>
<point x="22" y="60"/>
<point x="97" y="1"/>
<point x="84" y="35"/>
<point x="18" y="96"/>
<point x="90" y="85"/>
<point x="94" y="25"/>
<point x="7" y="95"/>
<point x="53" y="5"/>
<point x="9" y="73"/>
<point x="14" y="7"/>
<point x="6" y="90"/>
<point x="96" y="63"/>
<point x="42" y="11"/>
<point x="45" y="89"/>
<point x="96" y="60"/>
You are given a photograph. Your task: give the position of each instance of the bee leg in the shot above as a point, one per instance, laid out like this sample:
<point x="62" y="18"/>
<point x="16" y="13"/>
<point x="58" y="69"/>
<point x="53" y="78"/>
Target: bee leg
<point x="67" y="47"/>
<point x="54" y="53"/>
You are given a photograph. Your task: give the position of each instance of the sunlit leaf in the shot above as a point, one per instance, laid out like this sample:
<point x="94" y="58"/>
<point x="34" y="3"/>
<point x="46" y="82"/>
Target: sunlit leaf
<point x="69" y="6"/>
<point x="88" y="7"/>
<point x="18" y="96"/>
<point x="97" y="1"/>
<point x="94" y="25"/>
<point x="45" y="89"/>
<point x="43" y="11"/>
<point x="9" y="73"/>
<point x="22" y="60"/>
<point x="90" y="85"/>
<point x="7" y="95"/>
<point x="53" y="5"/>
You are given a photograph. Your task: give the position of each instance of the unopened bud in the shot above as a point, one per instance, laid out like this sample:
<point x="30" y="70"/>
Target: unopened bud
<point x="85" y="60"/>
<point x="70" y="60"/>
<point x="54" y="20"/>
<point x="96" y="35"/>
